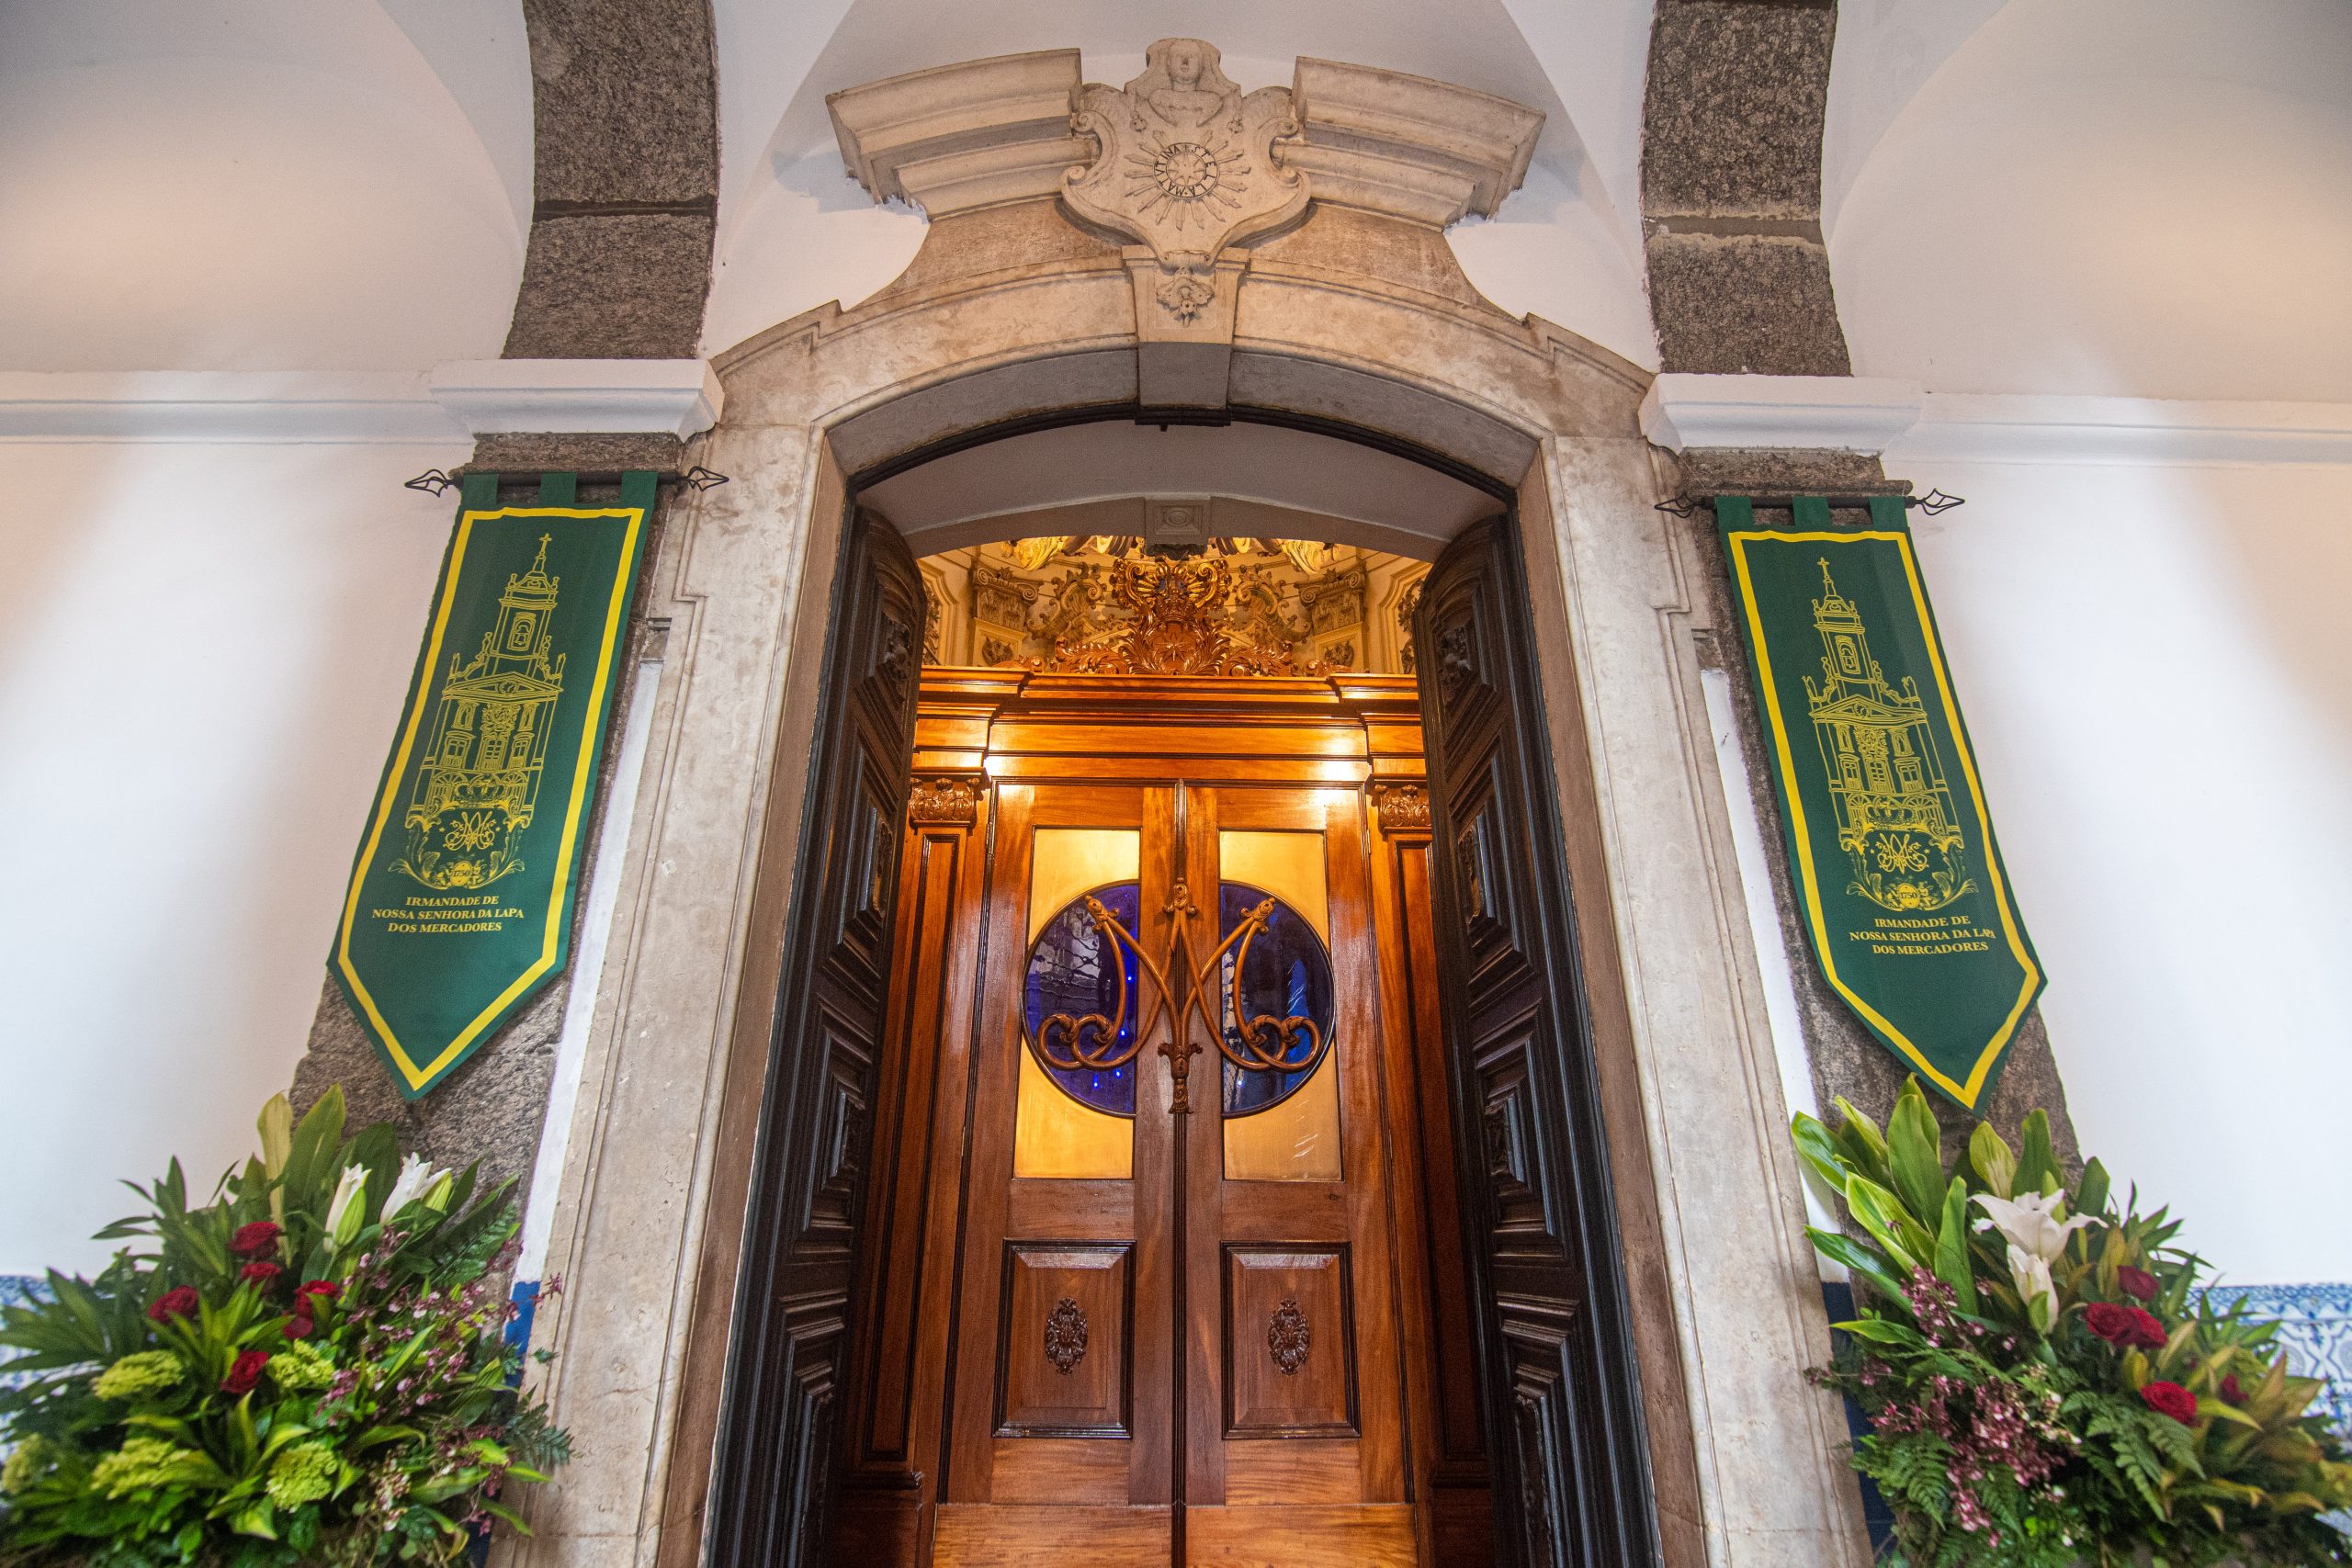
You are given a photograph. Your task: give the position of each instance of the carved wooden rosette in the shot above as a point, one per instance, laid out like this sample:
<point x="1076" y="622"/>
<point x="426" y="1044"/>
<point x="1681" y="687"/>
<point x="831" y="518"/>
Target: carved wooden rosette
<point x="1066" y="1336"/>
<point x="1188" y="165"/>
<point x="1288" y="1337"/>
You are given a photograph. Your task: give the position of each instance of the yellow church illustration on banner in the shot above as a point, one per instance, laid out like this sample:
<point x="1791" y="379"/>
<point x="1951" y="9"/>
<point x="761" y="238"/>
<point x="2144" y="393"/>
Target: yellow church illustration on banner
<point x="1896" y="819"/>
<point x="478" y="785"/>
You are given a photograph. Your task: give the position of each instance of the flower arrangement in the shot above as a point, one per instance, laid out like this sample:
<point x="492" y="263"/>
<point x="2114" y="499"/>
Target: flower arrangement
<point x="311" y="1367"/>
<point x="2044" y="1382"/>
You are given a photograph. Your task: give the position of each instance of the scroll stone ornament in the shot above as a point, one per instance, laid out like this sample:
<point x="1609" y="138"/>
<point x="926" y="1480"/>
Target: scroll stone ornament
<point x="1188" y="165"/>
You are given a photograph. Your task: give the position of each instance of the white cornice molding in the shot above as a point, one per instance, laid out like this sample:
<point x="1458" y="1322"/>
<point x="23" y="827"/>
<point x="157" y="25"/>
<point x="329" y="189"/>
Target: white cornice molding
<point x="1817" y="414"/>
<point x="376" y="407"/>
<point x="1894" y="418"/>
<point x="1407" y="145"/>
<point x="2024" y="428"/>
<point x="462" y="399"/>
<point x="579" y="397"/>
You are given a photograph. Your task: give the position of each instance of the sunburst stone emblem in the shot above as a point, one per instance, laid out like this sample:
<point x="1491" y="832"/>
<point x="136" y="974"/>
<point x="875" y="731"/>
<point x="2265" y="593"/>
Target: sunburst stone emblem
<point x="1185" y="179"/>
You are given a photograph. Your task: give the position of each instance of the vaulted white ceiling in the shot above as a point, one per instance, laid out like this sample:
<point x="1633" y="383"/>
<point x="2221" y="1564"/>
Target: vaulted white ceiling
<point x="2126" y="198"/>
<point x="260" y="184"/>
<point x="2140" y="196"/>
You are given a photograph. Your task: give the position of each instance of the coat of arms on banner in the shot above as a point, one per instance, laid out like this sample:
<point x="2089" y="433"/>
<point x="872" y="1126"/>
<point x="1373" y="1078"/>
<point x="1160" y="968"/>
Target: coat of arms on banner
<point x="478" y="786"/>
<point x="1895" y="817"/>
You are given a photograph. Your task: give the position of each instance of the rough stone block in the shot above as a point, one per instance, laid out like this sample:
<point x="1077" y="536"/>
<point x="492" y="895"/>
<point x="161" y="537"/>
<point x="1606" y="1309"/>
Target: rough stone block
<point x="523" y="453"/>
<point x="1755" y="305"/>
<point x="1731" y="470"/>
<point x="490" y="1109"/>
<point x="623" y="107"/>
<point x="1731" y="124"/>
<point x="627" y="286"/>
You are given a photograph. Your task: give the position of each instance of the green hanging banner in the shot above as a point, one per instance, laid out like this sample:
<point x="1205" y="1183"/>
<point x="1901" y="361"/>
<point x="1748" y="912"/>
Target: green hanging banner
<point x="1898" y="876"/>
<point x="460" y="899"/>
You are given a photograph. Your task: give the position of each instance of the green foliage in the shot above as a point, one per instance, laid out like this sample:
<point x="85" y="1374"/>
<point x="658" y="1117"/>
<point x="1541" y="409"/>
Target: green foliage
<point x="2006" y="1428"/>
<point x="308" y="1367"/>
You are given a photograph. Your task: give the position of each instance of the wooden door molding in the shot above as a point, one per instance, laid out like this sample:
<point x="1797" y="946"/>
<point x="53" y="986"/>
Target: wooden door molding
<point x="1562" y="1409"/>
<point x="769" y="1492"/>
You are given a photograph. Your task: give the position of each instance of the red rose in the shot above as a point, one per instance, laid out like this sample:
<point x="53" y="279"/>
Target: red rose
<point x="2125" y="1326"/>
<point x="247" y="1372"/>
<point x="262" y="1274"/>
<point x="2171" y="1399"/>
<point x="304" y="1292"/>
<point x="2121" y="1326"/>
<point x="2231" y="1392"/>
<point x="300" y="1327"/>
<point x="2136" y="1283"/>
<point x="181" y="1302"/>
<point x="254" y="1240"/>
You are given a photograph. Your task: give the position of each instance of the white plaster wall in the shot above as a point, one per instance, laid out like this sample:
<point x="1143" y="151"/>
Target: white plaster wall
<point x="2117" y="198"/>
<point x="202" y="653"/>
<point x="1551" y="252"/>
<point x="260" y="184"/>
<point x="2156" y="665"/>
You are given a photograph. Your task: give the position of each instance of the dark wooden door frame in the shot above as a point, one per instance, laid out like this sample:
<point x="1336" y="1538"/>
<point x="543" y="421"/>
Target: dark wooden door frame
<point x="1562" y="1404"/>
<point x="1575" y="1447"/>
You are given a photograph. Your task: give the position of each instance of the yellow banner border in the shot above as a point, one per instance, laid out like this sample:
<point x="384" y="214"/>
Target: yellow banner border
<point x="583" y="783"/>
<point x="1734" y="543"/>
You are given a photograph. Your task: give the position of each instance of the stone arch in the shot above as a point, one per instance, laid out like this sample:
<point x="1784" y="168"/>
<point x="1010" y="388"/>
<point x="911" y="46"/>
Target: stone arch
<point x="1012" y="316"/>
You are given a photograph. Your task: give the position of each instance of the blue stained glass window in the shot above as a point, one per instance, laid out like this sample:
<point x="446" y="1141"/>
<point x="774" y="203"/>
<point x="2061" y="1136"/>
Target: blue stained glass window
<point x="1285" y="977"/>
<point x="1074" y="969"/>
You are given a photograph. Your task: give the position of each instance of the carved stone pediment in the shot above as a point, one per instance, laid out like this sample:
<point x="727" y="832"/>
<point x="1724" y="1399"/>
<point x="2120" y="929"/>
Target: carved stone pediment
<point x="1188" y="164"/>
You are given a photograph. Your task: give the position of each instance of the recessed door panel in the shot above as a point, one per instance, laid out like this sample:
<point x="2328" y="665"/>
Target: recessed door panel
<point x="1289" y="1344"/>
<point x="1063" y="1360"/>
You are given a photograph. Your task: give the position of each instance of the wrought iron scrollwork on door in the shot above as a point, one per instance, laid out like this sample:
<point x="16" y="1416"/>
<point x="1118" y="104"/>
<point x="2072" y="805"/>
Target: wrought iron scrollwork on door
<point x="1206" y="990"/>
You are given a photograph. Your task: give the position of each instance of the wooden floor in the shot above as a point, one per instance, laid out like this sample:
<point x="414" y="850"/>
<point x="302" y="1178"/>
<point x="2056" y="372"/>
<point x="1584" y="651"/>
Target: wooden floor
<point x="1372" y="1534"/>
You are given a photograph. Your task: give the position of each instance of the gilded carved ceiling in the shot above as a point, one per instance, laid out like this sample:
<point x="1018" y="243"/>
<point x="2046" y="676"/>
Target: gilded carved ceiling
<point x="1108" y="604"/>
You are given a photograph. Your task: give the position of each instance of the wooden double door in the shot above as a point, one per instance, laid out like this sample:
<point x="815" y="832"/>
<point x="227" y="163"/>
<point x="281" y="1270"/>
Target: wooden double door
<point x="1162" y="1212"/>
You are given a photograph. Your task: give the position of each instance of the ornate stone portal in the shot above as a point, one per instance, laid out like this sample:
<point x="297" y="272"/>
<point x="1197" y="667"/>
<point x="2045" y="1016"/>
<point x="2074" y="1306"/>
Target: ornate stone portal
<point x="649" y="1207"/>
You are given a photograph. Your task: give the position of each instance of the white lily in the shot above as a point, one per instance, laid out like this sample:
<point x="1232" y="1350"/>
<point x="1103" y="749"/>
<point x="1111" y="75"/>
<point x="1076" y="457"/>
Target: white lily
<point x="2031" y="1224"/>
<point x="2039" y="1291"/>
<point x="343" y="1217"/>
<point x="417" y="1178"/>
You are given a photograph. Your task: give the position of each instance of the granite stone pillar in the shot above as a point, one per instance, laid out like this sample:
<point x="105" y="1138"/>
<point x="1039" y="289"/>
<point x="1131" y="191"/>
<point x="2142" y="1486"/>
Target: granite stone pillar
<point x="1731" y="187"/>
<point x="618" y="267"/>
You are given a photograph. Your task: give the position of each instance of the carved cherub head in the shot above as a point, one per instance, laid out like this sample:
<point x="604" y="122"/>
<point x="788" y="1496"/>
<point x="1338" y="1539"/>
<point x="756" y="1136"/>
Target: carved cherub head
<point x="1184" y="62"/>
